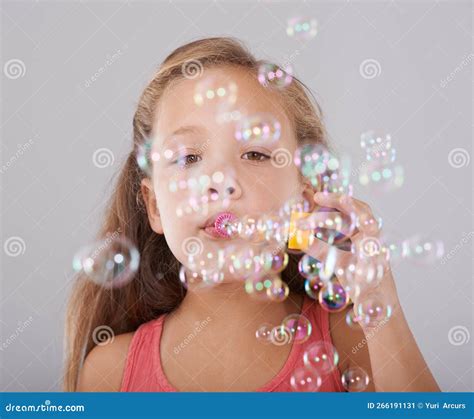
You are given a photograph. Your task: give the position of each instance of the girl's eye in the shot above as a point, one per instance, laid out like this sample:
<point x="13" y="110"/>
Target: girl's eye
<point x="189" y="159"/>
<point x="255" y="156"/>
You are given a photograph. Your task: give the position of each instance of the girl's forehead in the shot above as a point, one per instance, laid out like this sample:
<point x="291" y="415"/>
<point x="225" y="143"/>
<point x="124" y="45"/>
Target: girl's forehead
<point x="218" y="95"/>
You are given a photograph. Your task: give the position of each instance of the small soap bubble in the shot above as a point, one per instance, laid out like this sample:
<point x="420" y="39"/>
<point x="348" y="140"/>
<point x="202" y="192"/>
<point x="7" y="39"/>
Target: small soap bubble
<point x="378" y="148"/>
<point x="302" y="28"/>
<point x="313" y="286"/>
<point x="321" y="357"/>
<point x="258" y="127"/>
<point x="252" y="229"/>
<point x="299" y="326"/>
<point x="422" y="249"/>
<point x="333" y="297"/>
<point x="271" y="75"/>
<point x="355" y="379"/>
<point x="210" y="91"/>
<point x="372" y="309"/>
<point x="263" y="333"/>
<point x="310" y="267"/>
<point x="111" y="262"/>
<point x="305" y="380"/>
<point x="273" y="259"/>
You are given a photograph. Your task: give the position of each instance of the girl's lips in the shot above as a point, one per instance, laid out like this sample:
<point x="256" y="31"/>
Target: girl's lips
<point x="214" y="233"/>
<point x="217" y="225"/>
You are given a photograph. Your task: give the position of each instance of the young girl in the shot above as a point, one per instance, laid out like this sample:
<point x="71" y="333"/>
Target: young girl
<point x="172" y="333"/>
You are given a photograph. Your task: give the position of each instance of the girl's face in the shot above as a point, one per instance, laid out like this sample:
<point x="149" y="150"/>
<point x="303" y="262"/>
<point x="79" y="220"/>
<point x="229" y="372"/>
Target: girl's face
<point x="200" y="169"/>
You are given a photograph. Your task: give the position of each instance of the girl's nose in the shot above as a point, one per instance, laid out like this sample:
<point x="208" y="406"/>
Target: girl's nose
<point x="220" y="192"/>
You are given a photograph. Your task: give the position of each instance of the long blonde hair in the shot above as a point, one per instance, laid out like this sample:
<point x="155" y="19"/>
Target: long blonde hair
<point x="148" y="296"/>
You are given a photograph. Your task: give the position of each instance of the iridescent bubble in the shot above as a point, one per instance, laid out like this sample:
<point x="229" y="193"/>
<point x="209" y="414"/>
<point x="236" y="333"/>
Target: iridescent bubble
<point x="271" y="75"/>
<point x="305" y="379"/>
<point x="267" y="288"/>
<point x="333" y="297"/>
<point x="309" y="267"/>
<point x="210" y="91"/>
<point x="377" y="147"/>
<point x="273" y="259"/>
<point x="299" y="326"/>
<point x="313" y="286"/>
<point x="111" y="262"/>
<point x="302" y="28"/>
<point x="244" y="262"/>
<point x="422" y="249"/>
<point x="314" y="162"/>
<point x="258" y="127"/>
<point x="147" y="155"/>
<point x="373" y="310"/>
<point x="280" y="335"/>
<point x="276" y="228"/>
<point x="263" y="333"/>
<point x="252" y="229"/>
<point x="381" y="177"/>
<point x="355" y="379"/>
<point x="321" y="357"/>
<point x="353" y="320"/>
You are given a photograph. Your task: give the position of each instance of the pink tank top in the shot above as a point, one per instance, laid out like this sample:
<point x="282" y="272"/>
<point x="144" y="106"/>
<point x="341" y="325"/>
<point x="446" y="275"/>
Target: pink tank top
<point x="144" y="372"/>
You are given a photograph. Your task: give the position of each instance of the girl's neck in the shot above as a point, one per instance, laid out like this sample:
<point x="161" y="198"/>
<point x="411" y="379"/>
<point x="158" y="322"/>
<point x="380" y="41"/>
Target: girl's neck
<point x="229" y="304"/>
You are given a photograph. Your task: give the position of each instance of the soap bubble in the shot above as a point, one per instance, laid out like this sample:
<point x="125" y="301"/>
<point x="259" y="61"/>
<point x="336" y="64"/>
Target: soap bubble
<point x="355" y="379"/>
<point x="111" y="262"/>
<point x="422" y="249"/>
<point x="302" y="28"/>
<point x="273" y="259"/>
<point x="251" y="228"/>
<point x="373" y="310"/>
<point x="276" y="227"/>
<point x="381" y="177"/>
<point x="322" y="357"/>
<point x="333" y="297"/>
<point x="313" y="286"/>
<point x="280" y="335"/>
<point x="378" y="148"/>
<point x="210" y="91"/>
<point x="271" y="75"/>
<point x="353" y="320"/>
<point x="305" y="379"/>
<point x="244" y="262"/>
<point x="299" y="326"/>
<point x="263" y="333"/>
<point x="309" y="267"/>
<point x="267" y="288"/>
<point x="258" y="127"/>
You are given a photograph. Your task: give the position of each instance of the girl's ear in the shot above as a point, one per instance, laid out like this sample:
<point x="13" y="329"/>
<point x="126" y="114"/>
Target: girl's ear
<point x="148" y="194"/>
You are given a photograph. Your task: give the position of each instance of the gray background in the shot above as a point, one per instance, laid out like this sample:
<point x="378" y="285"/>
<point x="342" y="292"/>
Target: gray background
<point x="53" y="194"/>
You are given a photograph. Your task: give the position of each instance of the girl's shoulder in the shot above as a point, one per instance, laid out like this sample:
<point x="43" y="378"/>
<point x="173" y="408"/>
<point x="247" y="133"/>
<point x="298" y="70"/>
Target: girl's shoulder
<point x="105" y="365"/>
